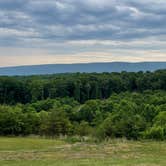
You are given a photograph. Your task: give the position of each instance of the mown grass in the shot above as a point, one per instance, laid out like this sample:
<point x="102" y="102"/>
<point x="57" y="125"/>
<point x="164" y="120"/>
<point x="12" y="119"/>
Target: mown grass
<point x="56" y="152"/>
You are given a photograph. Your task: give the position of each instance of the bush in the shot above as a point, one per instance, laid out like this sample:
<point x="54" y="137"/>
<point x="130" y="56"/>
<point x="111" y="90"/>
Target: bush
<point x="120" y="125"/>
<point x="156" y="133"/>
<point x="83" y="129"/>
<point x="58" y="123"/>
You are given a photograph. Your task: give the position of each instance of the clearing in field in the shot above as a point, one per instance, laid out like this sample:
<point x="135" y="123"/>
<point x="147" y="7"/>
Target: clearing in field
<point x="55" y="152"/>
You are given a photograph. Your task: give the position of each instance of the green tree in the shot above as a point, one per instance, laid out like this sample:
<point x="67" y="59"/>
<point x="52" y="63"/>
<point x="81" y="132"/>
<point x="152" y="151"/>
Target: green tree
<point x="58" y="123"/>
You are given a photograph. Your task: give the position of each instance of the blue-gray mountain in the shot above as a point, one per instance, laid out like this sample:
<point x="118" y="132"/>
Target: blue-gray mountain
<point x="82" y="67"/>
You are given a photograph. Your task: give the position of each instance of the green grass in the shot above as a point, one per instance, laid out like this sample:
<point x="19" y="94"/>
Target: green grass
<point x="50" y="152"/>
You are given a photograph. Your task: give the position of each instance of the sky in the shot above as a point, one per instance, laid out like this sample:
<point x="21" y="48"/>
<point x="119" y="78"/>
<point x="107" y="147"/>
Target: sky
<point x="81" y="31"/>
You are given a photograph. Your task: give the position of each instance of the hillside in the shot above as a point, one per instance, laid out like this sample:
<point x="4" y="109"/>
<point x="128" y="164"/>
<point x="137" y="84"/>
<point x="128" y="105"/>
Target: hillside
<point x="82" y="67"/>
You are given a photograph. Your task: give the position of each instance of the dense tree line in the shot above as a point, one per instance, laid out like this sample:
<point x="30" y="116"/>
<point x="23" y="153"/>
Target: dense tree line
<point x="133" y="115"/>
<point x="81" y="87"/>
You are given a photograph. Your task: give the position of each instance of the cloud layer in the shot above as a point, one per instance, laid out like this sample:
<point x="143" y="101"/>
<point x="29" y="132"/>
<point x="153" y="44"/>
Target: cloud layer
<point x="62" y="28"/>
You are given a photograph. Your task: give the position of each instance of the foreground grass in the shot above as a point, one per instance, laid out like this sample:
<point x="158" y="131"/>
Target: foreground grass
<point x="49" y="152"/>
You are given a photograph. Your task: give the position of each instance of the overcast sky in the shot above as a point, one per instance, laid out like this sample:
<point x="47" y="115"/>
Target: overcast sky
<point x="76" y="31"/>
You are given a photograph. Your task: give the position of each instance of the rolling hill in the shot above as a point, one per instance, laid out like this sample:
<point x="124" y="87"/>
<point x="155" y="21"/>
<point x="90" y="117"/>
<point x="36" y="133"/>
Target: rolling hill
<point x="82" y="67"/>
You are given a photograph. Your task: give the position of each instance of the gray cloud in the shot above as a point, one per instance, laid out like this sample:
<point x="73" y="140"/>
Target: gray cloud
<point x="53" y="24"/>
<point x="94" y="19"/>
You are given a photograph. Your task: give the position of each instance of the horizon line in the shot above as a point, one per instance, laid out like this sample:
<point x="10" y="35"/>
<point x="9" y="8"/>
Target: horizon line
<point x="81" y="63"/>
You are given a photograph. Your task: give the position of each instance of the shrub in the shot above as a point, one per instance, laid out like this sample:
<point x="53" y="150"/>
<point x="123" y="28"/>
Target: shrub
<point x="154" y="133"/>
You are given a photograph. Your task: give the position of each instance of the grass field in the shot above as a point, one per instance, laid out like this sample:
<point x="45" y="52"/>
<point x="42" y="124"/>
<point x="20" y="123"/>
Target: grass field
<point x="49" y="152"/>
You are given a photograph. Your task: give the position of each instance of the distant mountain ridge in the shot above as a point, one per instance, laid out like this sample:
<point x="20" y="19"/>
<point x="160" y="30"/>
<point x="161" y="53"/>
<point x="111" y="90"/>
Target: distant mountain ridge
<point x="82" y="67"/>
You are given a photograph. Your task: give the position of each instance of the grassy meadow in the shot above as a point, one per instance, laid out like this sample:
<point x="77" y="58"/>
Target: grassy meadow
<point x="56" y="152"/>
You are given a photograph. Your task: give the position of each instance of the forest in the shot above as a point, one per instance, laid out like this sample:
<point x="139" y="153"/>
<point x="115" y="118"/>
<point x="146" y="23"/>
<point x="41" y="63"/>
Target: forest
<point x="106" y="105"/>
